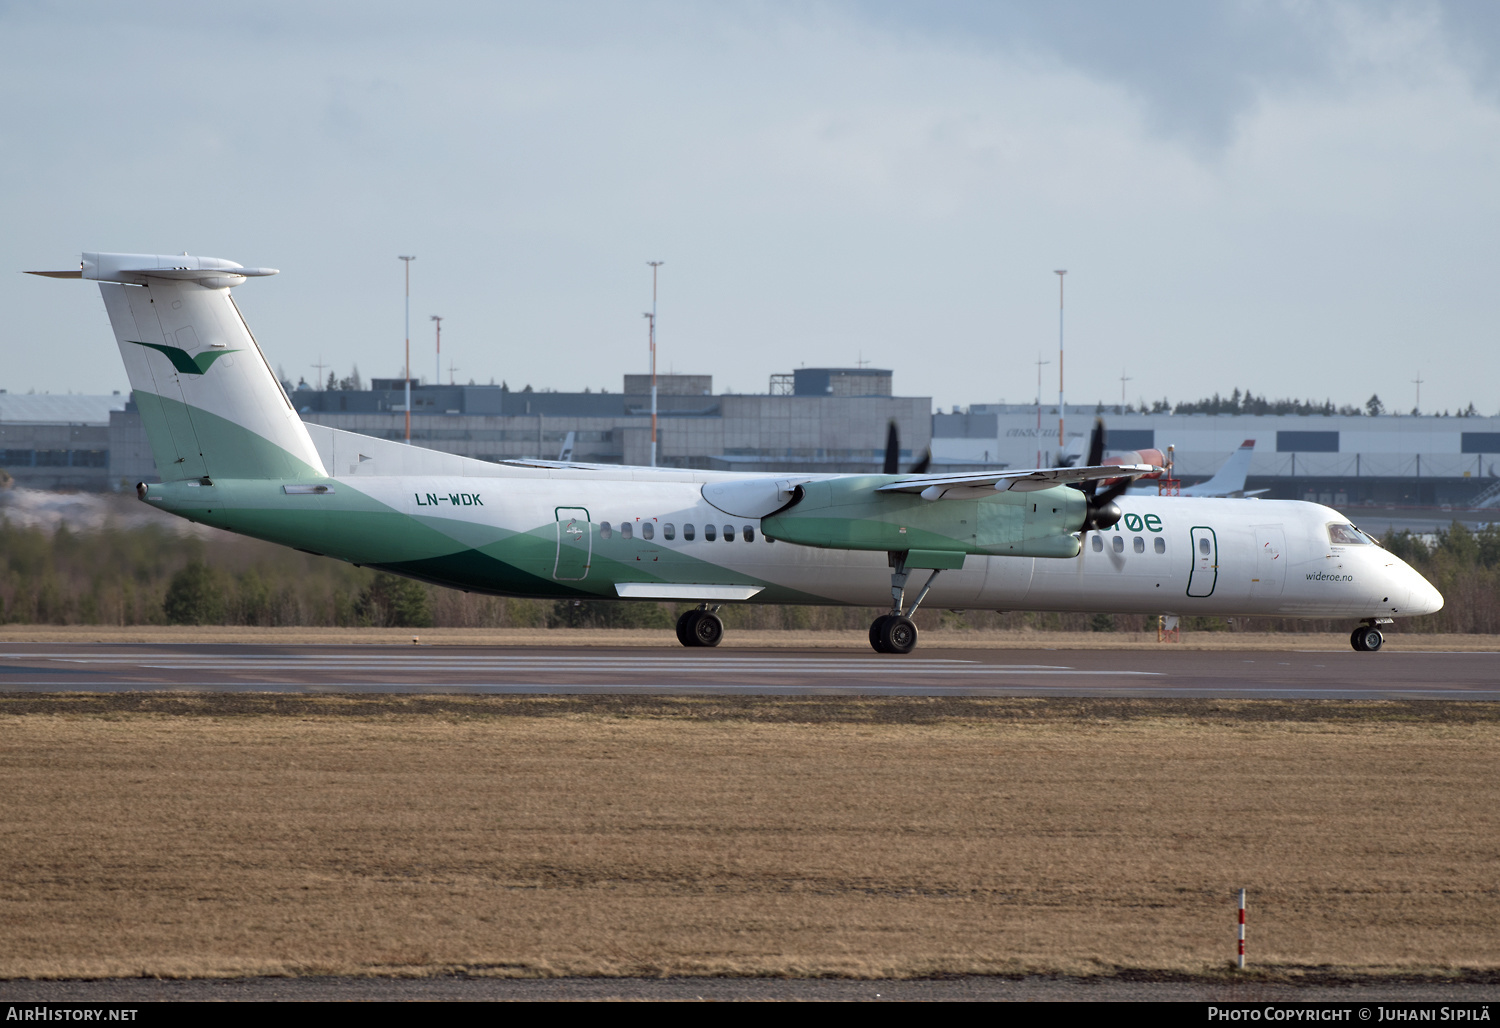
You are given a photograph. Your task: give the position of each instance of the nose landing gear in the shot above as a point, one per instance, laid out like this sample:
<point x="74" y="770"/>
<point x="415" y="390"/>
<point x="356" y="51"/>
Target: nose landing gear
<point x="1368" y="638"/>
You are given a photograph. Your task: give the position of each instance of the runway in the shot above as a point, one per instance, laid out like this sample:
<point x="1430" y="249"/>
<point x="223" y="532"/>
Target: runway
<point x="1290" y="674"/>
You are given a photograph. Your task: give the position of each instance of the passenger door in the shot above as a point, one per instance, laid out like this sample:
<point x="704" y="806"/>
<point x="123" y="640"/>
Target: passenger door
<point x="575" y="544"/>
<point x="1205" y="573"/>
<point x="1270" y="563"/>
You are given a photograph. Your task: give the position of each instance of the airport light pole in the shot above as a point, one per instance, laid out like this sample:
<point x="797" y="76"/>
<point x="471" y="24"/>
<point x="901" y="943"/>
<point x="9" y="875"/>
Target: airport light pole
<point x="654" y="266"/>
<point x="1039" y="364"/>
<point x="1123" y="379"/>
<point x="408" y="261"/>
<point x="1061" y="440"/>
<point x="437" y="379"/>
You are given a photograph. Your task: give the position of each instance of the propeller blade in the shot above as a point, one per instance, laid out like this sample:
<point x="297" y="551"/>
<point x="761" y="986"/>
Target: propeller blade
<point x="1114" y="492"/>
<point x="1096" y="455"/>
<point x="1103" y="511"/>
<point x="1096" y="444"/>
<point x="923" y="463"/>
<point x="892" y="450"/>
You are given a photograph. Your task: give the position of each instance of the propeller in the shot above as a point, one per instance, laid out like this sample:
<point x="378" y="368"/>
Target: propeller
<point x="1102" y="511"/>
<point x="892" y="464"/>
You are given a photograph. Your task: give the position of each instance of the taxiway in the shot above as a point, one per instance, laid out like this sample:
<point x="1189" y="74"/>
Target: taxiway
<point x="1289" y="674"/>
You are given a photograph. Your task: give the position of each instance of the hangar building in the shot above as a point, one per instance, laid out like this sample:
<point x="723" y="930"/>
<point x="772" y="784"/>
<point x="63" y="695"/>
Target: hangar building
<point x="1339" y="460"/>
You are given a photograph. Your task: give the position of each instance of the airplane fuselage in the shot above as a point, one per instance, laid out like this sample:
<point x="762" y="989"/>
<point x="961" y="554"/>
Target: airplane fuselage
<point x="590" y="536"/>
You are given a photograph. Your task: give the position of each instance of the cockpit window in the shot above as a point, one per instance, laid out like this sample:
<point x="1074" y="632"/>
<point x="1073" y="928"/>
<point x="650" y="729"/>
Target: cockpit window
<point x="1346" y="535"/>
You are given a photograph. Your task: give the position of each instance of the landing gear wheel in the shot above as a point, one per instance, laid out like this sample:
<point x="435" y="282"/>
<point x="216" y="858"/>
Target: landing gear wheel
<point x="1366" y="639"/>
<point x="876" y="628"/>
<point x="685" y="627"/>
<point x="706" y="629"/>
<point x="897" y="635"/>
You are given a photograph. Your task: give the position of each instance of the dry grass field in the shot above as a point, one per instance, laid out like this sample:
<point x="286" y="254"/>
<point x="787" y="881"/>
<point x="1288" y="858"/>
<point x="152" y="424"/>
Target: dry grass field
<point x="234" y="835"/>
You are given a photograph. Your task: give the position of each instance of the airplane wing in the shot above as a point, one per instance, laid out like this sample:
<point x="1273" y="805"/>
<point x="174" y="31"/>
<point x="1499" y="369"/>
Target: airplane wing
<point x="935" y="487"/>
<point x="575" y="465"/>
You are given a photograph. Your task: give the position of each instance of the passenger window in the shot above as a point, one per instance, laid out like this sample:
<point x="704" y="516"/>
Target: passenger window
<point x="1140" y="545"/>
<point x="1203" y="546"/>
<point x="708" y="533"/>
<point x="669" y="531"/>
<point x="1161" y="545"/>
<point x="687" y="532"/>
<point x="1098" y="543"/>
<point x="749" y="533"/>
<point x="648" y="530"/>
<point x="604" y="530"/>
<point x="625" y="530"/>
<point x="729" y="533"/>
<point x="1119" y="544"/>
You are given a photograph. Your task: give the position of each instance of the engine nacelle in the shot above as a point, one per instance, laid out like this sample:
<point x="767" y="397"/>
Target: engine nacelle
<point x="847" y="514"/>
<point x="1153" y="457"/>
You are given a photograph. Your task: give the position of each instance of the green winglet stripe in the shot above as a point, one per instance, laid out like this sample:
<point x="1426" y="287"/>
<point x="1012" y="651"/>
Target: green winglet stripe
<point x="184" y="364"/>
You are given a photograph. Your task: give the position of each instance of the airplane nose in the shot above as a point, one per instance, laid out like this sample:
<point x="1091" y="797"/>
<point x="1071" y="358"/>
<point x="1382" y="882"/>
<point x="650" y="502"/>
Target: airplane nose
<point x="1424" y="598"/>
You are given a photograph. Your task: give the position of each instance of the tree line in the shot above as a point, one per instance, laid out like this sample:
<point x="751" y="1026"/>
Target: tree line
<point x="152" y="576"/>
<point x="1248" y="403"/>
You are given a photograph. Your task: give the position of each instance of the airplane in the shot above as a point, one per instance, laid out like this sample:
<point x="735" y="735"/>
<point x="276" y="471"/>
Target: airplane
<point x="234" y="454"/>
<point x="1229" y="480"/>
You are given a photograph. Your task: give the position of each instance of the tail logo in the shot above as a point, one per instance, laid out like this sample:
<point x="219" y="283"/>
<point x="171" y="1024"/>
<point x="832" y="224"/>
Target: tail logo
<point x="184" y="364"/>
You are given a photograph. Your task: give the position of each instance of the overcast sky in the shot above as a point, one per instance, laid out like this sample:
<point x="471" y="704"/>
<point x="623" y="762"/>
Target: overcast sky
<point x="1297" y="198"/>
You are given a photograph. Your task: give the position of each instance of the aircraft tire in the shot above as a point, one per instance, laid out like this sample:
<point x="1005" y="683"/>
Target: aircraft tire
<point x="1366" y="639"/>
<point x="707" y="629"/>
<point x="898" y="635"/>
<point x="876" y="628"/>
<point x="685" y="627"/>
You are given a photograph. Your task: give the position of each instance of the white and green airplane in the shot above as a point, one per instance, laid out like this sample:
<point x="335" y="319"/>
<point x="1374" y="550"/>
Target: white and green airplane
<point x="234" y="454"/>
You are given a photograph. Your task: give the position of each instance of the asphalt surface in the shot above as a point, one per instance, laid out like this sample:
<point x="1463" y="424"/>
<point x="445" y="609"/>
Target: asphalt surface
<point x="1291" y="674"/>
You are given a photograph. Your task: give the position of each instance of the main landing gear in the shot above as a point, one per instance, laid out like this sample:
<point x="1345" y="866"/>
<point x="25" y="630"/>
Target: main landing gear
<point x="700" y="627"/>
<point x="896" y="632"/>
<point x="1367" y="638"/>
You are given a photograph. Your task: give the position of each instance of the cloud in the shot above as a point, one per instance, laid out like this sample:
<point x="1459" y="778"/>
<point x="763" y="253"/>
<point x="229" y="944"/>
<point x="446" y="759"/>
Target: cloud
<point x="1280" y="184"/>
<point x="1199" y="69"/>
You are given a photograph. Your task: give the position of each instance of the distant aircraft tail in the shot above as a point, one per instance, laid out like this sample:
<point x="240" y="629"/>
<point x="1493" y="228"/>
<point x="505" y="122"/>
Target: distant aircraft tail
<point x="211" y="406"/>
<point x="1229" y="480"/>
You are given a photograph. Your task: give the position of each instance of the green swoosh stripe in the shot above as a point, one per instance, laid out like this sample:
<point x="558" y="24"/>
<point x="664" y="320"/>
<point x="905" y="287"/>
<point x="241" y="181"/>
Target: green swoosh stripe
<point x="184" y="364"/>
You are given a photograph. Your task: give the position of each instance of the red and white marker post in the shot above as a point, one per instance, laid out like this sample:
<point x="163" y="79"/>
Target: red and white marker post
<point x="1242" y="929"/>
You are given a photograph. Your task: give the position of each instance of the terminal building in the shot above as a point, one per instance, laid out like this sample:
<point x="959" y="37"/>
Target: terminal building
<point x="60" y="442"/>
<point x="812" y="419"/>
<point x="1339" y="460"/>
<point x="808" y="420"/>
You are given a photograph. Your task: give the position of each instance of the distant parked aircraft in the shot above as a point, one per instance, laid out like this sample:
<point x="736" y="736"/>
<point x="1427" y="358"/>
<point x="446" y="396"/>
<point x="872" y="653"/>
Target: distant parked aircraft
<point x="1229" y="480"/>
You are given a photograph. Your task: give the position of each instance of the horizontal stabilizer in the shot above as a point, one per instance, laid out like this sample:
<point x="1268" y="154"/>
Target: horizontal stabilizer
<point x="186" y="274"/>
<point x="135" y="268"/>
